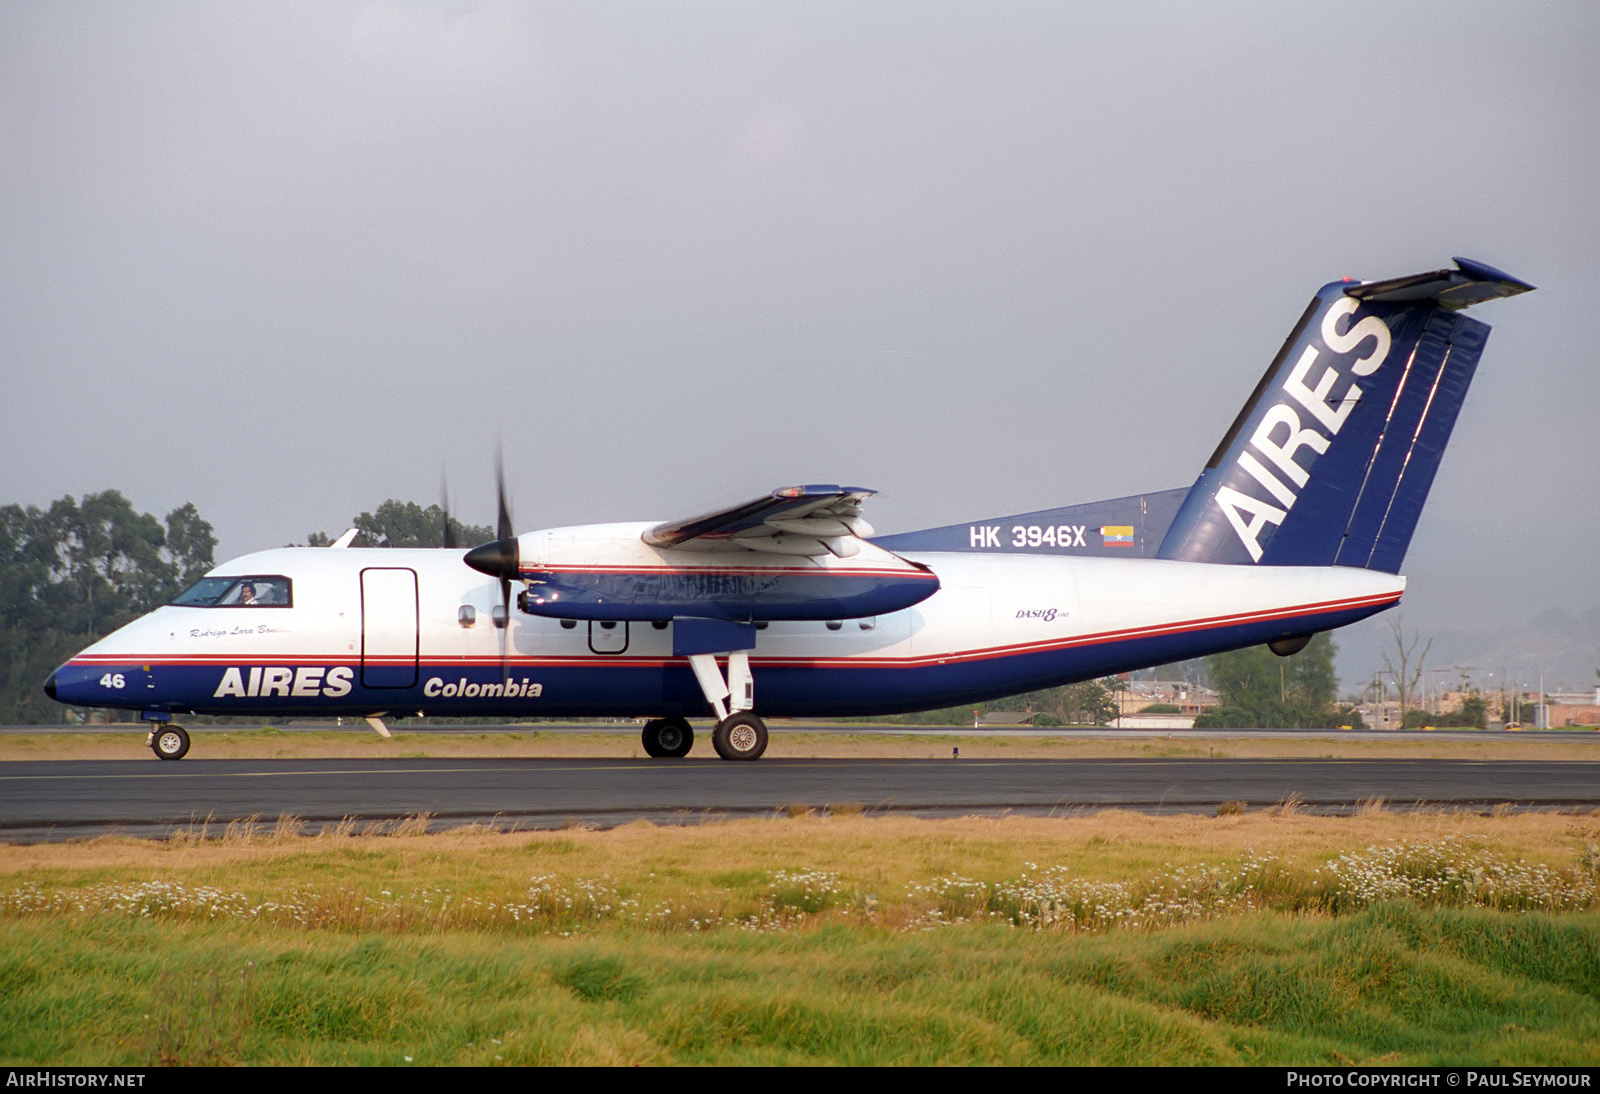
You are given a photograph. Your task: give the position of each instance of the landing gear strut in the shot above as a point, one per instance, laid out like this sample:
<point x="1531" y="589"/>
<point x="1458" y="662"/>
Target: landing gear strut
<point x="739" y="735"/>
<point x="668" y="738"/>
<point x="170" y="742"/>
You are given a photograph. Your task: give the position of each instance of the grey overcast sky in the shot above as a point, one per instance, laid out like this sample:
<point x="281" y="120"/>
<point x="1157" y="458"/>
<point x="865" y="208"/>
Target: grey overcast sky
<point x="286" y="260"/>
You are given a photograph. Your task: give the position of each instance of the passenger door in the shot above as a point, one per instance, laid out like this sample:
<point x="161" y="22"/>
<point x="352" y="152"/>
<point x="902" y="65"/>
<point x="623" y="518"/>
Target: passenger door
<point x="388" y="628"/>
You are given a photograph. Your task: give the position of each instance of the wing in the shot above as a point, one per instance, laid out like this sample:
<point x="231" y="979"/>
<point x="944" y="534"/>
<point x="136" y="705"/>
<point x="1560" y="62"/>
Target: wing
<point x="797" y="520"/>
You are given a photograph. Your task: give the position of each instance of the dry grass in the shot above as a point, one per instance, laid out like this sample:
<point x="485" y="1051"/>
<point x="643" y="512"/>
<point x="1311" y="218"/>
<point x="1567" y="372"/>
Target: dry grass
<point x="1289" y="806"/>
<point x="892" y="848"/>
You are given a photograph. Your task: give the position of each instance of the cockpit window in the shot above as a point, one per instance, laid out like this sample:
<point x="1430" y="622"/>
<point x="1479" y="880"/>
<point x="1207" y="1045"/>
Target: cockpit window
<point x="203" y="592"/>
<point x="257" y="591"/>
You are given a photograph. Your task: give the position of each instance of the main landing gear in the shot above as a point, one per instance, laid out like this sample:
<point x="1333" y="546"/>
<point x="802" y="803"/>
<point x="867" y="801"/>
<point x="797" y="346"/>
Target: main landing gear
<point x="739" y="734"/>
<point x="169" y="742"/>
<point x="668" y="738"/>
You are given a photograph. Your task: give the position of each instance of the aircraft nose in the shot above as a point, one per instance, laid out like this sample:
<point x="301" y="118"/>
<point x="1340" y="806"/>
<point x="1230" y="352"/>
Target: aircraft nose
<point x="50" y="686"/>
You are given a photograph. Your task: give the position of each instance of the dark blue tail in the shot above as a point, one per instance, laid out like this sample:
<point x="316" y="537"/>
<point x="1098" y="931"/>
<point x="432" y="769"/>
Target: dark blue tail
<point x="1331" y="459"/>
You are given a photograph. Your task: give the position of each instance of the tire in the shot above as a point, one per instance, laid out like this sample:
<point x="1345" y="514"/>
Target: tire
<point x="668" y="738"/>
<point x="740" y="736"/>
<point x="170" y="742"/>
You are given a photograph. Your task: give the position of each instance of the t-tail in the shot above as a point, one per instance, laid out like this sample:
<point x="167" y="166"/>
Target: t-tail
<point x="1329" y="462"/>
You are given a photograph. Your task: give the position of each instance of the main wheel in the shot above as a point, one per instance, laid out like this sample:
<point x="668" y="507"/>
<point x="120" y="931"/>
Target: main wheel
<point x="740" y="736"/>
<point x="668" y="738"/>
<point x="170" y="742"/>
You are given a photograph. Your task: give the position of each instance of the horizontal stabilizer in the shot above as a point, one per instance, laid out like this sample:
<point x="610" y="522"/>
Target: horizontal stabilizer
<point x="1471" y="283"/>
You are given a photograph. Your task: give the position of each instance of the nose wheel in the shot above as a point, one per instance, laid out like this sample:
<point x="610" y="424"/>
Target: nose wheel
<point x="170" y="742"/>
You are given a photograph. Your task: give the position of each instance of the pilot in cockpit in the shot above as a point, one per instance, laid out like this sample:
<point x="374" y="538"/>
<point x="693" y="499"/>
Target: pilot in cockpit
<point x="257" y="593"/>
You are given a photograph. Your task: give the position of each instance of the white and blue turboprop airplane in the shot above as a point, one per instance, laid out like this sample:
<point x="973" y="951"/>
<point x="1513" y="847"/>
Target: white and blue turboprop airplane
<point x="787" y="605"/>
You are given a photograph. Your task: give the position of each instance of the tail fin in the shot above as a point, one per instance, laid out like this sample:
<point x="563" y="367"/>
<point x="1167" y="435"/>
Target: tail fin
<point x="1331" y="459"/>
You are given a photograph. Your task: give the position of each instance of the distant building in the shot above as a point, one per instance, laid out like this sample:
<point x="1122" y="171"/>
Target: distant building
<point x="1573" y="708"/>
<point x="1155" y="721"/>
<point x="1002" y="719"/>
<point x="1189" y="698"/>
<point x="1385" y="715"/>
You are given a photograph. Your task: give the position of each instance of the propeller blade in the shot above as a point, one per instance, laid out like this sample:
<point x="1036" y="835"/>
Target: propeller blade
<point x="509" y="558"/>
<point x="505" y="629"/>
<point x="502" y="558"/>
<point x="449" y="538"/>
<point x="503" y="527"/>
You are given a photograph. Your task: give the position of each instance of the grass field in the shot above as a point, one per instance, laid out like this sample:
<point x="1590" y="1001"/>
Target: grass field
<point x="1266" y="937"/>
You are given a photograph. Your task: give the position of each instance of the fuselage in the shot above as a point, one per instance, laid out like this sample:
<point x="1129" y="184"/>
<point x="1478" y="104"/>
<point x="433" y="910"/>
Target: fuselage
<point x="370" y="631"/>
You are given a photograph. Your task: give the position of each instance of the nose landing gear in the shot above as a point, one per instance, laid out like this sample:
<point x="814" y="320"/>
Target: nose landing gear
<point x="169" y="742"/>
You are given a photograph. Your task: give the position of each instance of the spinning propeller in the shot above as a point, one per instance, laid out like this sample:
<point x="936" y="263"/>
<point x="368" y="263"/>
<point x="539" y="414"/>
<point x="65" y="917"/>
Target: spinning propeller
<point x="498" y="559"/>
<point x="449" y="539"/>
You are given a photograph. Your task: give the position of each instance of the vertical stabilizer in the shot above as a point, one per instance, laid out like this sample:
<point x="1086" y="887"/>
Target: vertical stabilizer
<point x="1331" y="459"/>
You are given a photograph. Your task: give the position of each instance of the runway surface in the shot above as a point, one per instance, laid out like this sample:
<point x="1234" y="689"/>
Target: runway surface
<point x="74" y="799"/>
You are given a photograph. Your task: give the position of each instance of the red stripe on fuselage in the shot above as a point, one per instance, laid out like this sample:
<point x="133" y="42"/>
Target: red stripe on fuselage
<point x="955" y="656"/>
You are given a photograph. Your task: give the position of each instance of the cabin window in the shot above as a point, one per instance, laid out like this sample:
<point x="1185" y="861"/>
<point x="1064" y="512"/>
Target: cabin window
<point x="834" y="624"/>
<point x="255" y="591"/>
<point x="868" y="623"/>
<point x="568" y="624"/>
<point x="498" y="614"/>
<point x="466" y="615"/>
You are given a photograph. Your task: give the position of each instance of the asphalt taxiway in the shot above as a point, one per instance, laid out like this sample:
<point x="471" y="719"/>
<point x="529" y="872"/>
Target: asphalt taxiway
<point x="80" y="798"/>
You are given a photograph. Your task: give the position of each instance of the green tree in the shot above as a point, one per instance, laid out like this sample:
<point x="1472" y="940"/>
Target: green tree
<point x="191" y="544"/>
<point x="1259" y="688"/>
<point x="1087" y="703"/>
<point x="1473" y="711"/>
<point x="406" y="524"/>
<point x="72" y="573"/>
